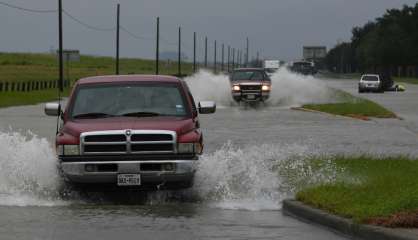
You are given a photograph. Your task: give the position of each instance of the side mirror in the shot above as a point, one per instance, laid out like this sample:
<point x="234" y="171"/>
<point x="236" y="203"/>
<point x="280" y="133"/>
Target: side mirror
<point x="52" y="109"/>
<point x="207" y="107"/>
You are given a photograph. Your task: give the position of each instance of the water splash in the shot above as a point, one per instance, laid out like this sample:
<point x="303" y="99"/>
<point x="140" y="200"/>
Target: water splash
<point x="293" y="90"/>
<point x="258" y="177"/>
<point x="28" y="173"/>
<point x="205" y="85"/>
<point x="288" y="89"/>
<point x="251" y="178"/>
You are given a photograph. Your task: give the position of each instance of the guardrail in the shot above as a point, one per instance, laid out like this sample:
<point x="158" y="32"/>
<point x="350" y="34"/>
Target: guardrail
<point x="29" y="86"/>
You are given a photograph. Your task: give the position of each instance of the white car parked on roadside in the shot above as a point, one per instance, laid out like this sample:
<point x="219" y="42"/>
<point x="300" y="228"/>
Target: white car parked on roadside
<point x="370" y="82"/>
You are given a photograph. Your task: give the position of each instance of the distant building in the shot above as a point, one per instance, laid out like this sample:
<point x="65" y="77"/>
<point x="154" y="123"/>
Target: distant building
<point x="313" y="53"/>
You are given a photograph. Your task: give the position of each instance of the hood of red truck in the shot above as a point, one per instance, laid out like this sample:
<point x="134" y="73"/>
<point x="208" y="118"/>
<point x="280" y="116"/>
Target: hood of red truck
<point x="177" y="124"/>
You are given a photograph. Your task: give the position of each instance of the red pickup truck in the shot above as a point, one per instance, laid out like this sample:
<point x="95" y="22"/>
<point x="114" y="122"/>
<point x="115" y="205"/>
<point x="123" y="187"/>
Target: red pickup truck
<point x="134" y="130"/>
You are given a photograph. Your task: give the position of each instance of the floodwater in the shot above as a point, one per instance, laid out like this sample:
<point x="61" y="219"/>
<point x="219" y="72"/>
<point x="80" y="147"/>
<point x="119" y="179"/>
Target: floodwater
<point x="238" y="189"/>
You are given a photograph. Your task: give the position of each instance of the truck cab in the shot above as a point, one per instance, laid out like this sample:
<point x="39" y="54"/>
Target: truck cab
<point x="137" y="130"/>
<point x="250" y="85"/>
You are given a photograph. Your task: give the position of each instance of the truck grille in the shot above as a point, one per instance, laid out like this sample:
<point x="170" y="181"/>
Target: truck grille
<point x="250" y="88"/>
<point x="128" y="142"/>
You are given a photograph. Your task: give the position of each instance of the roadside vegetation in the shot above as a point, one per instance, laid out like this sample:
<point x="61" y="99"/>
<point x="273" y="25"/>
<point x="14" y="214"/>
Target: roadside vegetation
<point x="406" y="80"/>
<point x="380" y="191"/>
<point x="351" y="106"/>
<point x="8" y="99"/>
<point x="43" y="66"/>
<point x="340" y="75"/>
<point x="33" y="67"/>
<point x="387" y="45"/>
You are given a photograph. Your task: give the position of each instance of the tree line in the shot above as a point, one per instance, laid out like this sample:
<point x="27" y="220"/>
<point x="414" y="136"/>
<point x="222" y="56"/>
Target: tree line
<point x="389" y="44"/>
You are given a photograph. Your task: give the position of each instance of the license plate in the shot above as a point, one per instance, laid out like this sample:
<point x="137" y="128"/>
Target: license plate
<point x="129" y="180"/>
<point x="251" y="97"/>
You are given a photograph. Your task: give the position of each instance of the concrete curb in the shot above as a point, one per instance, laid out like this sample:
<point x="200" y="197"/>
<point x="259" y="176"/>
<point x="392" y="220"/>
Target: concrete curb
<point x="330" y="114"/>
<point x="345" y="226"/>
<point x="359" y="117"/>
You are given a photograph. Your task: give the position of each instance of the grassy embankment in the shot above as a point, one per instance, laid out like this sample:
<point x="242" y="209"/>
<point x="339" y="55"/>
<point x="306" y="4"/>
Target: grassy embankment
<point x="406" y="80"/>
<point x="351" y="106"/>
<point x="356" y="76"/>
<point x="25" y="67"/>
<point x="375" y="191"/>
<point x="339" y="75"/>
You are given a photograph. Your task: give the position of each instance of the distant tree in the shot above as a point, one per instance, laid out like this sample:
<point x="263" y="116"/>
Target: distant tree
<point x="388" y="42"/>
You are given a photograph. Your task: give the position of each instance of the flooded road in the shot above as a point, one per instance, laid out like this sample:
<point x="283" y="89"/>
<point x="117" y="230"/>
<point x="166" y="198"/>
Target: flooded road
<point x="227" y="201"/>
<point x="161" y="221"/>
<point x="237" y="194"/>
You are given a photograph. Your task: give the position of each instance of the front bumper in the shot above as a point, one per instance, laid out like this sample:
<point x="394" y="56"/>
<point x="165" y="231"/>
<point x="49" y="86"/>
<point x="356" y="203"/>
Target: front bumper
<point x="250" y="97"/>
<point x="106" y="172"/>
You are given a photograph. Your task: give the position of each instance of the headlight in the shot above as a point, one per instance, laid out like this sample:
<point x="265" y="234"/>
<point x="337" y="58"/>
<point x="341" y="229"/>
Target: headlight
<point x="236" y="88"/>
<point x="68" y="150"/>
<point x="186" y="148"/>
<point x="265" y="88"/>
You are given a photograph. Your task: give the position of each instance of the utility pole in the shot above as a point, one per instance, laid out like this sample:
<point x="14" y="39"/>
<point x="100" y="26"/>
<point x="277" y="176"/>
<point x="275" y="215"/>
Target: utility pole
<point x="228" y="58"/>
<point x="233" y="59"/>
<point x="179" y="60"/>
<point x="206" y="52"/>
<point x="117" y="37"/>
<point x="247" y="54"/>
<point x="222" y="62"/>
<point x="157" y="48"/>
<point x="214" y="58"/>
<point x="258" y="57"/>
<point x="60" y="53"/>
<point x="194" y="52"/>
<point x="239" y="58"/>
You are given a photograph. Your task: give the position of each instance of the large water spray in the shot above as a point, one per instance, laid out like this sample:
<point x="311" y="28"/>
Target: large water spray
<point x="288" y="89"/>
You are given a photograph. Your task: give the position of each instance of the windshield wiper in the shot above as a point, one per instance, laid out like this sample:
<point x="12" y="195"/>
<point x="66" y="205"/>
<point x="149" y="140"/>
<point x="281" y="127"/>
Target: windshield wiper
<point x="141" y="114"/>
<point x="93" y="115"/>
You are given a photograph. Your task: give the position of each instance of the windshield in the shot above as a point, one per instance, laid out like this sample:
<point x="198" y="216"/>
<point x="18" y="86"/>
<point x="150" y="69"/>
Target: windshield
<point x="141" y="100"/>
<point x="271" y="70"/>
<point x="247" y="75"/>
<point x="370" y="78"/>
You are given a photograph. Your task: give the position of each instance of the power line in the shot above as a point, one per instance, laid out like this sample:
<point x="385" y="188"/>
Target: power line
<point x="134" y="35"/>
<point x="27" y="9"/>
<point x="168" y="42"/>
<point x="88" y="25"/>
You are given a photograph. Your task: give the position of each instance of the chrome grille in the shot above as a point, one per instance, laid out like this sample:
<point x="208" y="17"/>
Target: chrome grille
<point x="250" y="88"/>
<point x="128" y="142"/>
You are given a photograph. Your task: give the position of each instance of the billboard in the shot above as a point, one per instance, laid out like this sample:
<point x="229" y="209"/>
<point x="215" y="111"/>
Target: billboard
<point x="314" y="52"/>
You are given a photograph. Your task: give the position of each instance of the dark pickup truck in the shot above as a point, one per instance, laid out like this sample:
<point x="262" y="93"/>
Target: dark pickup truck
<point x="130" y="131"/>
<point x="250" y="85"/>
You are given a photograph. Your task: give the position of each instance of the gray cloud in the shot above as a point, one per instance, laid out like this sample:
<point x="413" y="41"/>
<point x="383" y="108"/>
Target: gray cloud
<point x="277" y="28"/>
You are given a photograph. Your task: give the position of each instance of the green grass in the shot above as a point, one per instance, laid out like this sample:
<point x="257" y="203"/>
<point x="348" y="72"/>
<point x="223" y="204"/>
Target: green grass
<point x="9" y="99"/>
<point x="357" y="76"/>
<point x="374" y="188"/>
<point x="28" y="67"/>
<point x="340" y="75"/>
<point x="406" y="80"/>
<point x="25" y="67"/>
<point x="349" y="105"/>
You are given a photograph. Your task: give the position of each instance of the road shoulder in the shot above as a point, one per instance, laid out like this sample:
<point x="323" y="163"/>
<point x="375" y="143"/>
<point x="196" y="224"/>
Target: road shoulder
<point x="345" y="226"/>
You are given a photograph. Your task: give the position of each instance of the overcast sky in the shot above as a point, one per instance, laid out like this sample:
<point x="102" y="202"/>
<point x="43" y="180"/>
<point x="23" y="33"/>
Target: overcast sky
<point x="276" y="28"/>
